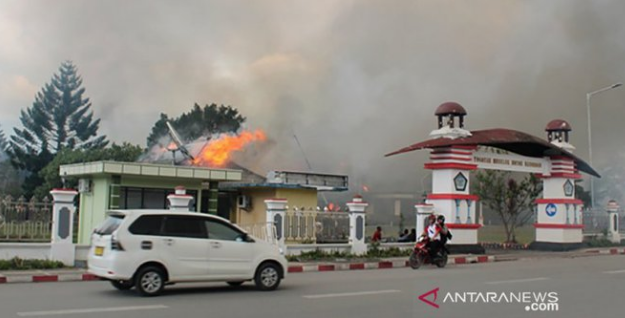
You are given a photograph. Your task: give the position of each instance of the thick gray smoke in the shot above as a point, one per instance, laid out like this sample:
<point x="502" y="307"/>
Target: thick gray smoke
<point x="352" y="79"/>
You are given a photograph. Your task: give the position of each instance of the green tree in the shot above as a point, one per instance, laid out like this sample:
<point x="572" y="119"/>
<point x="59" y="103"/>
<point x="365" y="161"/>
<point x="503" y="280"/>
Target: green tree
<point x="582" y="194"/>
<point x="10" y="179"/>
<point x="3" y="144"/>
<point x="60" y="117"/>
<point x="511" y="200"/>
<point x="125" y="152"/>
<point x="198" y="122"/>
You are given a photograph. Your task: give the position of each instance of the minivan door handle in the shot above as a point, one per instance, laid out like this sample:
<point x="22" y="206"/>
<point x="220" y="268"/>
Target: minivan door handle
<point x="146" y="245"/>
<point x="169" y="241"/>
<point x="215" y="244"/>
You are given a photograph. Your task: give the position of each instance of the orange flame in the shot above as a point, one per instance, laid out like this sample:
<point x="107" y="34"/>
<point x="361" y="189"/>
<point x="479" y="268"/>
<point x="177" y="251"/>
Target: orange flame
<point x="219" y="151"/>
<point x="171" y="146"/>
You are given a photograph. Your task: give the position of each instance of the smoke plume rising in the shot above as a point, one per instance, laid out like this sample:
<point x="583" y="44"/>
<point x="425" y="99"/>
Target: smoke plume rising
<point x="353" y="80"/>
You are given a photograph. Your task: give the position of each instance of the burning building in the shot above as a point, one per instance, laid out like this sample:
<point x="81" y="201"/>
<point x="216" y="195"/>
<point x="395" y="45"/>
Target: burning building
<point x="209" y="174"/>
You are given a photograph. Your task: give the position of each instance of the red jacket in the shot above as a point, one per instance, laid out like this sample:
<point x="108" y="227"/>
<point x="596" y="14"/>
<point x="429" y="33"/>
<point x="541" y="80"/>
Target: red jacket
<point x="377" y="235"/>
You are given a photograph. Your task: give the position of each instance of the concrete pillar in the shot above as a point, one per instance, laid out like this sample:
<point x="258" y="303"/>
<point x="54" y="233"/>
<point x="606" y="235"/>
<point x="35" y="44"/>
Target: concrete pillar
<point x="423" y="211"/>
<point x="276" y="212"/>
<point x="613" y="231"/>
<point x="451" y="196"/>
<point x="213" y="197"/>
<point x="179" y="201"/>
<point x="558" y="226"/>
<point x="357" y="225"/>
<point x="62" y="248"/>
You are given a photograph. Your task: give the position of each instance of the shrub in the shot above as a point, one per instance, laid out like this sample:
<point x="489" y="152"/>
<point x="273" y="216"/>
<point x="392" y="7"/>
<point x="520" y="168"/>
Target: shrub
<point x="17" y="263"/>
<point x="600" y="242"/>
<point x="374" y="251"/>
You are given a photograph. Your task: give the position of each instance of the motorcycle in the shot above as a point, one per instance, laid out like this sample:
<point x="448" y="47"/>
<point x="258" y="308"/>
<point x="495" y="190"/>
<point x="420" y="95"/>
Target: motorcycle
<point x="421" y="255"/>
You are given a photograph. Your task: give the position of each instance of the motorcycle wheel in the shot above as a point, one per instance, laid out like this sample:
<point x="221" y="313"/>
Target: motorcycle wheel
<point x="442" y="261"/>
<point x="415" y="260"/>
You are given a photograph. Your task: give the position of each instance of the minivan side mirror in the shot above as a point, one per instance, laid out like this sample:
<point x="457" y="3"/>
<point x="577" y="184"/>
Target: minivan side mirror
<point x="244" y="237"/>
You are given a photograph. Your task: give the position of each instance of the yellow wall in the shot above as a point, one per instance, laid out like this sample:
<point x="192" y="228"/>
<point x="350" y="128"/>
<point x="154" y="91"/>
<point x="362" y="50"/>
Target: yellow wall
<point x="300" y="198"/>
<point x="256" y="214"/>
<point x="306" y="198"/>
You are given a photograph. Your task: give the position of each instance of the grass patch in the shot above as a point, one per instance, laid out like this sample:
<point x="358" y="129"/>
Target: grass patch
<point x="497" y="234"/>
<point x="17" y="263"/>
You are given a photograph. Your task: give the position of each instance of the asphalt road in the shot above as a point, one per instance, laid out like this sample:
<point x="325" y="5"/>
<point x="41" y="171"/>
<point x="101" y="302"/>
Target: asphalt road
<point x="585" y="287"/>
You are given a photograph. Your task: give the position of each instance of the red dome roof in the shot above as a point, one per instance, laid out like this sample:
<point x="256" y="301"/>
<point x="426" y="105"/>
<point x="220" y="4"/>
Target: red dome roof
<point x="450" y="108"/>
<point x="558" y="125"/>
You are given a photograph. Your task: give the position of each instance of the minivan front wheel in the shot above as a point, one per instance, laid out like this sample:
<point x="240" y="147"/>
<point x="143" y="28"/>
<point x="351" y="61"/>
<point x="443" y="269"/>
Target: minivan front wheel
<point x="122" y="284"/>
<point x="267" y="277"/>
<point x="150" y="281"/>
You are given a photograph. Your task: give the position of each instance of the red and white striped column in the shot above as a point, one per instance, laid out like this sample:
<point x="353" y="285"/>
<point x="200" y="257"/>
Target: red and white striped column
<point x="559" y="213"/>
<point x="451" y="196"/>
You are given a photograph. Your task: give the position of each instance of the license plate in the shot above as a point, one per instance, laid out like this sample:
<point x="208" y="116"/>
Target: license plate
<point x="99" y="250"/>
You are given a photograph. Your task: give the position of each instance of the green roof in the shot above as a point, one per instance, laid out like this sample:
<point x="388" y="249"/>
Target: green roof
<point x="149" y="170"/>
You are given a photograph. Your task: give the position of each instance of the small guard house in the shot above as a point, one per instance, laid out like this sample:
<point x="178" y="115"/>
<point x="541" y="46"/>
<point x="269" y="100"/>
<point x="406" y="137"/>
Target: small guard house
<point x="105" y="185"/>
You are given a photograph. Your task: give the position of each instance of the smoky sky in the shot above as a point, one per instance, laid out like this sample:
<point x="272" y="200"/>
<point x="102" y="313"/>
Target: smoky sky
<point x="352" y="79"/>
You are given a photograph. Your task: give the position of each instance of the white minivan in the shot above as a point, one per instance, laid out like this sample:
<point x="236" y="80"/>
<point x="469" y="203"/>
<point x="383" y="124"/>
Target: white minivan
<point x="148" y="249"/>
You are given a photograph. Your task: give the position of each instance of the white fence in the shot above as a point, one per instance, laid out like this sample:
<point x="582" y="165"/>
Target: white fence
<point x="310" y="226"/>
<point x="261" y="231"/>
<point x="598" y="221"/>
<point x="22" y="220"/>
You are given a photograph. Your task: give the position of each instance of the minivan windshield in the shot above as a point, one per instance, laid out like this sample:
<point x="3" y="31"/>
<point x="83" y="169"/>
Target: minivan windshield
<point x="110" y="224"/>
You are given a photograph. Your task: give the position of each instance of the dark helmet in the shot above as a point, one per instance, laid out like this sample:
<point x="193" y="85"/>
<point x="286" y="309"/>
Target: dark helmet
<point x="441" y="218"/>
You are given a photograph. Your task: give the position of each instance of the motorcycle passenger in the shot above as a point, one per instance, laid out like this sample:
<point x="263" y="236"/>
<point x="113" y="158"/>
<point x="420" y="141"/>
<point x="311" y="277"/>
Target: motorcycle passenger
<point x="445" y="234"/>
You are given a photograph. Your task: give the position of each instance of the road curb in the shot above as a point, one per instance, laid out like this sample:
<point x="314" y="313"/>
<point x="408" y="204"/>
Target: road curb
<point x="611" y="251"/>
<point x="46" y="278"/>
<point x="328" y="267"/>
<point x="42" y="277"/>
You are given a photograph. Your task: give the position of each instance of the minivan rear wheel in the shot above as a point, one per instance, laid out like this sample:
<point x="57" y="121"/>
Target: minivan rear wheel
<point x="150" y="281"/>
<point x="267" y="277"/>
<point x="122" y="284"/>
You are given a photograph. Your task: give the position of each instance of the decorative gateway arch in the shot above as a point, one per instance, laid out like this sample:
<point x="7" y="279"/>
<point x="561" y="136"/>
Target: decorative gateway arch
<point x="455" y="152"/>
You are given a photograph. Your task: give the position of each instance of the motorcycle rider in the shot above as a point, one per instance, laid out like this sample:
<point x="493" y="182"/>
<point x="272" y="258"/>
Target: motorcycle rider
<point x="433" y="232"/>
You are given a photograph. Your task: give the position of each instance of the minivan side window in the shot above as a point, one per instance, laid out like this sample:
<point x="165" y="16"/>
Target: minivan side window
<point x="110" y="224"/>
<point x="185" y="226"/>
<point x="147" y="225"/>
<point x="221" y="231"/>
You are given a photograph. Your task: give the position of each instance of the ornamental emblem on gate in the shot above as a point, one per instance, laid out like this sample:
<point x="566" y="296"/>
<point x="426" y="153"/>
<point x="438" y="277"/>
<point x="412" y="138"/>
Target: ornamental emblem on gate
<point x="460" y="182"/>
<point x="569" y="188"/>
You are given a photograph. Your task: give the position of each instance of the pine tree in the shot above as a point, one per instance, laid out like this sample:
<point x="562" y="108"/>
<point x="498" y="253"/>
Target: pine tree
<point x="59" y="118"/>
<point x="3" y="144"/>
<point x="198" y="122"/>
